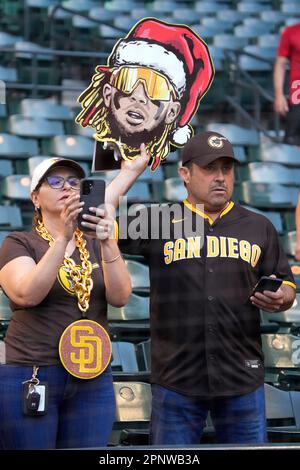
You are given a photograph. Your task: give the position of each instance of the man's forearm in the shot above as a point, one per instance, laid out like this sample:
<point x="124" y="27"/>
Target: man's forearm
<point x="119" y="186"/>
<point x="279" y="76"/>
<point x="289" y="297"/>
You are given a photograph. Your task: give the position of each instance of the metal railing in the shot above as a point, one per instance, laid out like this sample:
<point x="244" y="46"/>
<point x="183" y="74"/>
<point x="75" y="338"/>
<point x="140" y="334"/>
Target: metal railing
<point x="242" y="80"/>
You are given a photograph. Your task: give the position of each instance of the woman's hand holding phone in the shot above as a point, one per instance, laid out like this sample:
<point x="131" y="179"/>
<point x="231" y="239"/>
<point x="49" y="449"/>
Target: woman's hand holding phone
<point x="99" y="224"/>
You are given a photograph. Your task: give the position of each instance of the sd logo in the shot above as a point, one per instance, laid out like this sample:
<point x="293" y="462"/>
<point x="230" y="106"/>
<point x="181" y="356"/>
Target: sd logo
<point x="85" y="349"/>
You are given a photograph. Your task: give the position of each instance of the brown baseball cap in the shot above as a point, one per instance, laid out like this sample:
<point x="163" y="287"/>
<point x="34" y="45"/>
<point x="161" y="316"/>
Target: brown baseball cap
<point x="206" y="147"/>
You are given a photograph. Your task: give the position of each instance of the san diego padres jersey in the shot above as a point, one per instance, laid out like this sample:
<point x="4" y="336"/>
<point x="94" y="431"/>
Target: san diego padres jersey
<point x="205" y="333"/>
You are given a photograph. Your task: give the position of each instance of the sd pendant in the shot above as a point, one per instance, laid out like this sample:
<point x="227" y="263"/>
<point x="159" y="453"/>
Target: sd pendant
<point x="85" y="349"/>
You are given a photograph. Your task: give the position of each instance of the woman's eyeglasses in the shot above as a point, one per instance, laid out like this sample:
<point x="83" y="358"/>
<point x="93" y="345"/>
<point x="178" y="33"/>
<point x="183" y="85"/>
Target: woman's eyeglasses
<point x="58" y="182"/>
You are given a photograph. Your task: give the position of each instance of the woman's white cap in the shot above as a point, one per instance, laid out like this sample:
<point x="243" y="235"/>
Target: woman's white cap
<point x="44" y="167"/>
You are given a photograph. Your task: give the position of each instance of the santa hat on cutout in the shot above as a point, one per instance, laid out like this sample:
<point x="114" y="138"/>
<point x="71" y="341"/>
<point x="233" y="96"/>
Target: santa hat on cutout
<point x="176" y="52"/>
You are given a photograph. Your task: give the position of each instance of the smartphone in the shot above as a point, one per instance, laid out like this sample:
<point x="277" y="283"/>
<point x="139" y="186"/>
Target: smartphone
<point x="267" y="283"/>
<point x="92" y="193"/>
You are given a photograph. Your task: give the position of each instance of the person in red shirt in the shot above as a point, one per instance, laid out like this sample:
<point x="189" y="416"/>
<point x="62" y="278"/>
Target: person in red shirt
<point x="288" y="52"/>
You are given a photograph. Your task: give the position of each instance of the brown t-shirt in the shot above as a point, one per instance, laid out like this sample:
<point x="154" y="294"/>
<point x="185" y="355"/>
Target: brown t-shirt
<point x="33" y="333"/>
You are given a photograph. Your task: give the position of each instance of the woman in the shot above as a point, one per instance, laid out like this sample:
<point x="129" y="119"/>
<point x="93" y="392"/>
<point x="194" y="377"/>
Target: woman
<point x="53" y="278"/>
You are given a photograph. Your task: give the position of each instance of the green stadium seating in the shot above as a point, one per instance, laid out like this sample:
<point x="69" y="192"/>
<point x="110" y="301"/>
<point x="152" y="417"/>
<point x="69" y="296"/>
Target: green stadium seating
<point x="258" y="172"/>
<point x="5" y="310"/>
<point x="34" y="127"/>
<point x="133" y="401"/>
<point x="14" y="147"/>
<point x="45" y="109"/>
<point x="10" y="218"/>
<point x="279" y="153"/>
<point x="289" y="243"/>
<point x="137" y="308"/>
<point x="174" y="189"/>
<point x="139" y="274"/>
<point x="263" y="195"/>
<point x="70" y="146"/>
<point x="124" y="357"/>
<point x="6" y="168"/>
<point x="16" y="187"/>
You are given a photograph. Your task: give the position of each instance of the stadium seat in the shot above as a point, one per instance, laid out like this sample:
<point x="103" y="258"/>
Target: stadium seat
<point x="205" y="7"/>
<point x="275" y="17"/>
<point x="290" y="316"/>
<point x="280" y="153"/>
<point x="229" y="41"/>
<point x="14" y="147"/>
<point x="78" y="5"/>
<point x="124" y="357"/>
<point x="291" y="8"/>
<point x="175" y="190"/>
<point x="289" y="243"/>
<point x="70" y="146"/>
<point x="258" y="172"/>
<point x="34" y="127"/>
<point x="45" y="109"/>
<point x="230" y="15"/>
<point x="16" y="187"/>
<point x="5" y="310"/>
<point x="140" y="13"/>
<point x="251" y="64"/>
<point x="185" y="15"/>
<point x="120" y="5"/>
<point x="7" y="40"/>
<point x="100" y="13"/>
<point x="139" y="192"/>
<point x="207" y="33"/>
<point x="2" y="352"/>
<point x="143" y="351"/>
<point x="3" y="235"/>
<point x="10" y="217"/>
<point x="279" y="350"/>
<point x="268" y="53"/>
<point x="139" y="274"/>
<point x="280" y="405"/>
<point x="6" y="168"/>
<point x="137" y="308"/>
<point x="253" y="7"/>
<point x="265" y="26"/>
<point x="240" y="153"/>
<point x="289" y="220"/>
<point x="271" y="196"/>
<point x="8" y="74"/>
<point x="133" y="401"/>
<point x="268" y="40"/>
<point x="124" y="22"/>
<point x="214" y="22"/>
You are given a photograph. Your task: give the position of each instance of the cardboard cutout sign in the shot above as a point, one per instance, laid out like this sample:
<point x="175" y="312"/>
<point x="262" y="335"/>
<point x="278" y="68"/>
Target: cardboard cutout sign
<point x="147" y="93"/>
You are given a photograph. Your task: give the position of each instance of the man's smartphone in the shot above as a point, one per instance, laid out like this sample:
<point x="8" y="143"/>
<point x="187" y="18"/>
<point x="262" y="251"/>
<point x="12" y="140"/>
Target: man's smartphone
<point x="267" y="283"/>
<point x="92" y="193"/>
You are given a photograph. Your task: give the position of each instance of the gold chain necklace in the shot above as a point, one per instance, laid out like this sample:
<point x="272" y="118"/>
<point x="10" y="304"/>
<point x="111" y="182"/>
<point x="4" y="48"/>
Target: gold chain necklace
<point x="83" y="282"/>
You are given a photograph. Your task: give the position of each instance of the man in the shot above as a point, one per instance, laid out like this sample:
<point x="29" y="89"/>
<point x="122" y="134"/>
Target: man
<point x="149" y="90"/>
<point x="289" y="53"/>
<point x="206" y="349"/>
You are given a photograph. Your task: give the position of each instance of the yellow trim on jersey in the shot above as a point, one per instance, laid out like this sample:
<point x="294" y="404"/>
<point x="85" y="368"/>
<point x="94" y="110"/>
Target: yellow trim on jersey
<point x="116" y="230"/>
<point x="288" y="283"/>
<point x="227" y="209"/>
<point x="205" y="216"/>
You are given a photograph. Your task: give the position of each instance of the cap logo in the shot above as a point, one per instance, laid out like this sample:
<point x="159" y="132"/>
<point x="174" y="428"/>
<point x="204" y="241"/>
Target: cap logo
<point x="215" y="141"/>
